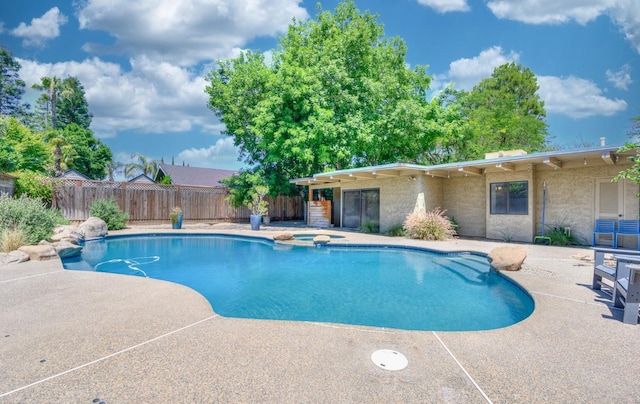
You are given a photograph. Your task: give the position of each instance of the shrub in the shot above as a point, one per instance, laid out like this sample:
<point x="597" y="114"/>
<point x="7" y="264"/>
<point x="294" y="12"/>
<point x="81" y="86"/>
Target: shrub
<point x="396" y="231"/>
<point x="109" y="211"/>
<point x="559" y="236"/>
<point x="12" y="239"/>
<point x="34" y="185"/>
<point x="369" y="227"/>
<point x="433" y="225"/>
<point x="30" y="216"/>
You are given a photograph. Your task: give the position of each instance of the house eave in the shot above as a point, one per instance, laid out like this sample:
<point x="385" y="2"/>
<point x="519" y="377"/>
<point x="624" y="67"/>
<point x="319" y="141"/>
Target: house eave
<point x="553" y="160"/>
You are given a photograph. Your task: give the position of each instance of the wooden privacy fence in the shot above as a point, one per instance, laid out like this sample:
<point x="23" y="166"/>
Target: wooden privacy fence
<point x="146" y="202"/>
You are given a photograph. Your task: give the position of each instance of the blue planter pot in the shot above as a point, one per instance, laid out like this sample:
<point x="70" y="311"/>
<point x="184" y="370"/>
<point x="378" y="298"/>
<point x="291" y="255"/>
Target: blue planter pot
<point x="255" y="221"/>
<point x="178" y="223"/>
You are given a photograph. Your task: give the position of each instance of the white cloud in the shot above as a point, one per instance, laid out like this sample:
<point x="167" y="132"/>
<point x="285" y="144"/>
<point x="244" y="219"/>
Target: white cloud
<point x="620" y="79"/>
<point x="466" y="73"/>
<point x="186" y="32"/>
<point x="576" y="97"/>
<point x="444" y="6"/>
<point x="41" y="29"/>
<point x="151" y="98"/>
<point x="549" y="11"/>
<point x="223" y="154"/>
<point x="627" y="15"/>
<point x="624" y="13"/>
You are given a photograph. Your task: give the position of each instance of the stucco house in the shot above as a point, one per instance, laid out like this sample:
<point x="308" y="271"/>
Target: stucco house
<point x="499" y="197"/>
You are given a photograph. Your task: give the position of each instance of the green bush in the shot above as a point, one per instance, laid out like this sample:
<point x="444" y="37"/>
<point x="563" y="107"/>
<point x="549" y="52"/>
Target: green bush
<point x="34" y="185"/>
<point x="560" y="237"/>
<point x="396" y="231"/>
<point x="109" y="211"/>
<point x="29" y="216"/>
<point x="369" y="227"/>
<point x="433" y="225"/>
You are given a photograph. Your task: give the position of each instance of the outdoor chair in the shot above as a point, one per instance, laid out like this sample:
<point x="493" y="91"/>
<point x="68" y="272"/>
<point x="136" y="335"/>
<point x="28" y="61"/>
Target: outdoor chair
<point x="605" y="227"/>
<point x="627" y="294"/>
<point x="628" y="228"/>
<point x="612" y="273"/>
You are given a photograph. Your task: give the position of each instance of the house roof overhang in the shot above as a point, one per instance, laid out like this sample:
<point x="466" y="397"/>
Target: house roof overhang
<point x="554" y="160"/>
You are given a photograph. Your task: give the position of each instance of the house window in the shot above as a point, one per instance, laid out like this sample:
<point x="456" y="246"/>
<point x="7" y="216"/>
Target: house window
<point x="510" y="198"/>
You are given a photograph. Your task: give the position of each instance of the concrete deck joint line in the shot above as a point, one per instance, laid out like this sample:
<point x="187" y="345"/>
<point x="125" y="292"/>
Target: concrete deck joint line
<point x="574" y="300"/>
<point x="462" y="368"/>
<point x="31" y="276"/>
<point x="107" y="357"/>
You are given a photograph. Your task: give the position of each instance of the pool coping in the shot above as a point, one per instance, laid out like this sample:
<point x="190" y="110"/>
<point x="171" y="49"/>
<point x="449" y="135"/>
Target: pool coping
<point x="152" y="340"/>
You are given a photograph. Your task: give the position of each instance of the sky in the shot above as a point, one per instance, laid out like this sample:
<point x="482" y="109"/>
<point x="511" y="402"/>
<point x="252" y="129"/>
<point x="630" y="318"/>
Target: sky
<point x="143" y="63"/>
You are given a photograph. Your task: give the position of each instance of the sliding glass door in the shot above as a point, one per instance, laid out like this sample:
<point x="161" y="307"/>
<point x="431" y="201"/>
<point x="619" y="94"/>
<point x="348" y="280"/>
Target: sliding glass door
<point x="361" y="208"/>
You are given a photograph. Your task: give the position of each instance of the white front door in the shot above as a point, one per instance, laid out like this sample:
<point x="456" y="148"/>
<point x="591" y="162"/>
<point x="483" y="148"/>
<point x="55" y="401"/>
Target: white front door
<point x="609" y="199"/>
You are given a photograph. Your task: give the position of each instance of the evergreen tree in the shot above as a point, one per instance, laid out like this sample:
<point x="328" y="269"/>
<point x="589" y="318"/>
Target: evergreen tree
<point x="11" y="86"/>
<point x="72" y="106"/>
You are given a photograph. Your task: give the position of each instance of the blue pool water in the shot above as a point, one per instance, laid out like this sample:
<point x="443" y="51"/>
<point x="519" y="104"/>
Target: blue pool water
<point x="384" y="287"/>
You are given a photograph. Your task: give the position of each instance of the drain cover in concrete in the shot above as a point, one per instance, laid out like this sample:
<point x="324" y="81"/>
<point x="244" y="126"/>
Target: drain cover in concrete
<point x="389" y="359"/>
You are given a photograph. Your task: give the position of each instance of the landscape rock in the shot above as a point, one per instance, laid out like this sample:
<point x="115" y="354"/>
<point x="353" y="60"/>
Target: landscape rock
<point x="15" y="257"/>
<point x="507" y="258"/>
<point x="39" y="252"/>
<point x="321" y="239"/>
<point x="93" y="228"/>
<point x="283" y="236"/>
<point x="66" y="249"/>
<point x="69" y="233"/>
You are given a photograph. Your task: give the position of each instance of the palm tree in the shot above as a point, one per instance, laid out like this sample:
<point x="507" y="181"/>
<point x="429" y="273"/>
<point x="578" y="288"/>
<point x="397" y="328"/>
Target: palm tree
<point x="112" y="167"/>
<point x="54" y="88"/>
<point x="62" y="151"/>
<point x="144" y="165"/>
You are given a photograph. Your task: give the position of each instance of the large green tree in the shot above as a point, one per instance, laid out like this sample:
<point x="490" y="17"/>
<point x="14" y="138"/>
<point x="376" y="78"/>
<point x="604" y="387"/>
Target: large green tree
<point x="505" y="112"/>
<point x="90" y="155"/>
<point x="22" y="148"/>
<point x="11" y="86"/>
<point x="632" y="173"/>
<point x="338" y="94"/>
<point x="72" y="106"/>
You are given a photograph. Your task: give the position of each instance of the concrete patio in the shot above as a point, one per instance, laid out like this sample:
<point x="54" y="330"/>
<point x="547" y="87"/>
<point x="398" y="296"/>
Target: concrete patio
<point x="71" y="336"/>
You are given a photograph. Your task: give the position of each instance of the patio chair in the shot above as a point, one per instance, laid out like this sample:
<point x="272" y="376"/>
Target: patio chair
<point x="604" y="227"/>
<point x="612" y="273"/>
<point x="628" y="228"/>
<point x="628" y="294"/>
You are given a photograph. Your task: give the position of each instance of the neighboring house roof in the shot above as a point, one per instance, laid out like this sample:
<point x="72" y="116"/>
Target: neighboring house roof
<point x="142" y="178"/>
<point x="554" y="160"/>
<point x="204" y="177"/>
<point x="73" y="174"/>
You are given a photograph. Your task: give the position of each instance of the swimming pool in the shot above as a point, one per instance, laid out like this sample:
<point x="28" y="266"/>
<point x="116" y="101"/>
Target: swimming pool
<point x="375" y="286"/>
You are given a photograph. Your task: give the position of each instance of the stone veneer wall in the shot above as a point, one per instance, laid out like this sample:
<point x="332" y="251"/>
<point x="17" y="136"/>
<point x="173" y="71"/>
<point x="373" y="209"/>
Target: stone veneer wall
<point x="399" y="196"/>
<point x="464" y="199"/>
<point x="510" y="227"/>
<point x="571" y="199"/>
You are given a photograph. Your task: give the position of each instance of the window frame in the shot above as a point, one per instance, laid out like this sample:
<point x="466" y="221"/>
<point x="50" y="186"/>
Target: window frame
<point x="508" y="208"/>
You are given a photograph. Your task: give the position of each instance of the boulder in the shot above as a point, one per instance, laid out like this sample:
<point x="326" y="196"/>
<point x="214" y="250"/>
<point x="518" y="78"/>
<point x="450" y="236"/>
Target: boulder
<point x="66" y="249"/>
<point x="507" y="258"/>
<point x="321" y="239"/>
<point x="39" y="252"/>
<point x="69" y="233"/>
<point x="93" y="228"/>
<point x="283" y="236"/>
<point x="15" y="257"/>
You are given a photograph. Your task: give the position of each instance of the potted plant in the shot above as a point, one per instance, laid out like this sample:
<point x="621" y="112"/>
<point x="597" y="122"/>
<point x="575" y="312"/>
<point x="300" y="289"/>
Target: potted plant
<point x="258" y="205"/>
<point x="176" y="218"/>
